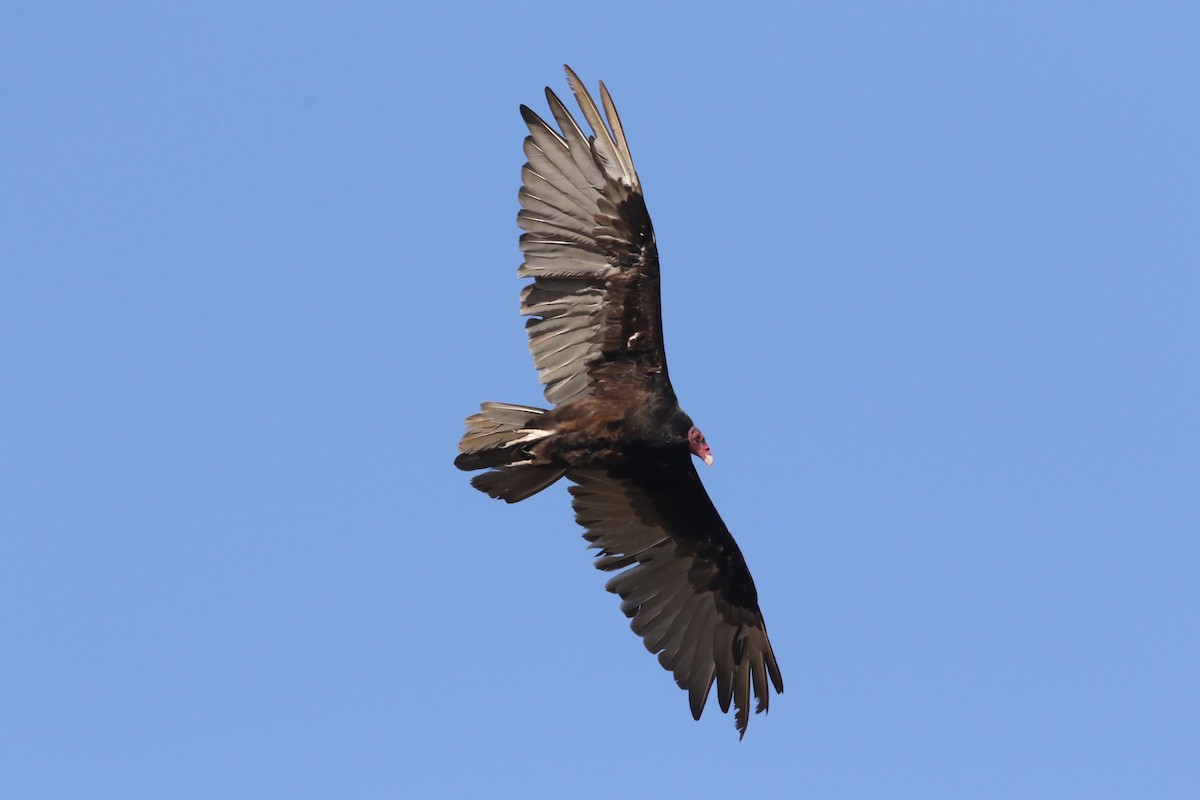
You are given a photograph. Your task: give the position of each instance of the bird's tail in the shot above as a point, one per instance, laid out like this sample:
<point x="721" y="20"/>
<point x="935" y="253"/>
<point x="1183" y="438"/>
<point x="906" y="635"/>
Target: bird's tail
<point x="498" y="439"/>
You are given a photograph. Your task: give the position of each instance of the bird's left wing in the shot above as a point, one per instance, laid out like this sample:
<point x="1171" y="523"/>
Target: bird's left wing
<point x="687" y="589"/>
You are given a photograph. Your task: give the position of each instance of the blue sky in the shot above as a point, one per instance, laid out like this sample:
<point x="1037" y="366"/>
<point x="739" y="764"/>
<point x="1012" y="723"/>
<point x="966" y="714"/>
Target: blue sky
<point x="930" y="289"/>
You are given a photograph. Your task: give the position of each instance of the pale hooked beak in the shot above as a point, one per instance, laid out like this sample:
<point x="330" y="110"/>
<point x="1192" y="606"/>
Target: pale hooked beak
<point x="698" y="446"/>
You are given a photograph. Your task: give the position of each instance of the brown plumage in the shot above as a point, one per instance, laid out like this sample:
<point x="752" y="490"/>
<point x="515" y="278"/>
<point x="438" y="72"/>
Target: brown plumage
<point x="617" y="431"/>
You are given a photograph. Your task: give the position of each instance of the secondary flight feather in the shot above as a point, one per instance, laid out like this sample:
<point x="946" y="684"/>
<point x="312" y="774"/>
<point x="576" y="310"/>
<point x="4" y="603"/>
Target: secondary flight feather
<point x="617" y="431"/>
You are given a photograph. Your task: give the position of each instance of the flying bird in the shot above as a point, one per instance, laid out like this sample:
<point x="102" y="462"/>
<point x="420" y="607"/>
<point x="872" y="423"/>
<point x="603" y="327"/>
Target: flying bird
<point x="616" y="430"/>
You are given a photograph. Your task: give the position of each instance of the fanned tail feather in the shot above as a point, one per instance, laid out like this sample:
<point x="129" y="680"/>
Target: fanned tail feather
<point x="514" y="484"/>
<point x="497" y="440"/>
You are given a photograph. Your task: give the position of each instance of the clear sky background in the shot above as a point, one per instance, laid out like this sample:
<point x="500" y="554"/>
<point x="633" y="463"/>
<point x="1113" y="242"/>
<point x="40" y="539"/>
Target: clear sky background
<point x="931" y="288"/>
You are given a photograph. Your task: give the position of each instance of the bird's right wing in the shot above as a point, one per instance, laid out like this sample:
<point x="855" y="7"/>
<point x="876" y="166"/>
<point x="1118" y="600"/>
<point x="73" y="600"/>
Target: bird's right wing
<point x="589" y="247"/>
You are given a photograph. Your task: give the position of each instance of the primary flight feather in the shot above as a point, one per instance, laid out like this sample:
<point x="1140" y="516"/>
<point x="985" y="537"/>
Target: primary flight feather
<point x="617" y="431"/>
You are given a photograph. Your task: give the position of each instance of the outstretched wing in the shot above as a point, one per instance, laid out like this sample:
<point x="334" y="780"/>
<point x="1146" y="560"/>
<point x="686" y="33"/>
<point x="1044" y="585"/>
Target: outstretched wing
<point x="687" y="589"/>
<point x="589" y="246"/>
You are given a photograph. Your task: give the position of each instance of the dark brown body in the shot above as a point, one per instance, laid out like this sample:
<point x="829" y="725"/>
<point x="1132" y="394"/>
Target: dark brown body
<point x="601" y="431"/>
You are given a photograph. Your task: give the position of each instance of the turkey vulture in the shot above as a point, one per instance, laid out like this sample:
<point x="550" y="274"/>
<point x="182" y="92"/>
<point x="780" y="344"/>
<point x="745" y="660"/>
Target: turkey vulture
<point x="617" y="431"/>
